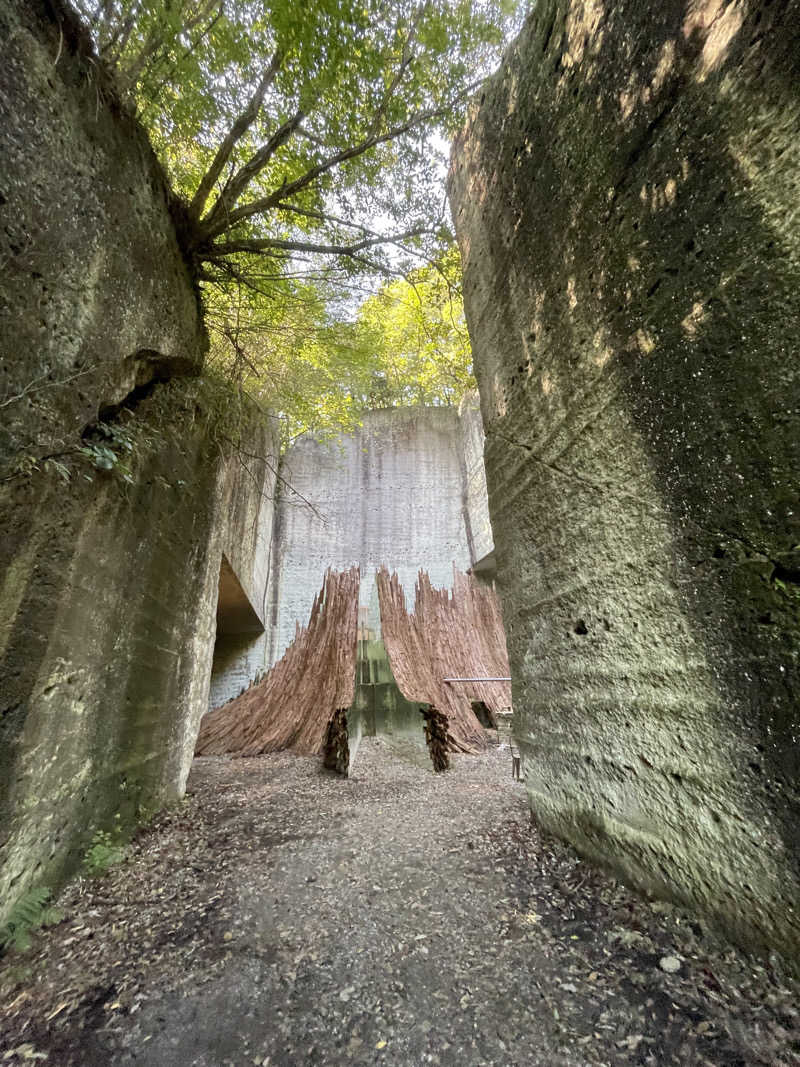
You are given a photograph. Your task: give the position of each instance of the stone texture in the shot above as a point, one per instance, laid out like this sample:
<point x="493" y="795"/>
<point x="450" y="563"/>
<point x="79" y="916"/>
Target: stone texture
<point x="107" y="619"/>
<point x="241" y="635"/>
<point x="476" y="507"/>
<point x="626" y="202"/>
<point x="96" y="299"/>
<point x="108" y="586"/>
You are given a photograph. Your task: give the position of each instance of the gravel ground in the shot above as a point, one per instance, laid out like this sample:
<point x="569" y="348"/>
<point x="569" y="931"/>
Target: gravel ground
<point x="283" y="916"/>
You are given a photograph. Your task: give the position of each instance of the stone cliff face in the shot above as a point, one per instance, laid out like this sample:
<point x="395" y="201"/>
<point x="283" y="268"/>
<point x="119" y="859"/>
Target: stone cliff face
<point x="96" y="298"/>
<point x="626" y="202"/>
<point x="108" y="584"/>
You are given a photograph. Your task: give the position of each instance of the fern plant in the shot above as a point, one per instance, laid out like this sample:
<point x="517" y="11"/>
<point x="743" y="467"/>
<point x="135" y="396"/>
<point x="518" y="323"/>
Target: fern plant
<point x="32" y="911"/>
<point x="102" y="854"/>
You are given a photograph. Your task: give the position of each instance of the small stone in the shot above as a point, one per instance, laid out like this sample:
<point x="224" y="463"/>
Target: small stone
<point x="670" y="964"/>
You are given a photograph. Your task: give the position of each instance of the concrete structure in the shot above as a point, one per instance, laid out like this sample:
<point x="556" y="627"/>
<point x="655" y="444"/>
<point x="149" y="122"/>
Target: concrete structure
<point x="406" y="489"/>
<point x="242" y="635"/>
<point x="626" y="203"/>
<point x="392" y="492"/>
<point x="379" y="708"/>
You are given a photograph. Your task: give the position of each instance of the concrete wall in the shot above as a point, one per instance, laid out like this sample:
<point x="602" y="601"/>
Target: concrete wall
<point x="242" y="638"/>
<point x="476" y="502"/>
<point x="380" y="709"/>
<point x="393" y="492"/>
<point x="626" y="203"/>
<point x="108" y="578"/>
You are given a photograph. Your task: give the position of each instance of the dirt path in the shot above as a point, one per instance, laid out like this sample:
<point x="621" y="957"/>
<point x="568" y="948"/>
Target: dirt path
<point x="280" y="916"/>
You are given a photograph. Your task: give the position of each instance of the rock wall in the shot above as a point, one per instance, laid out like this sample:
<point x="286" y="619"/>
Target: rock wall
<point x="626" y="201"/>
<point x="112" y="537"/>
<point x="242" y="636"/>
<point x="87" y="244"/>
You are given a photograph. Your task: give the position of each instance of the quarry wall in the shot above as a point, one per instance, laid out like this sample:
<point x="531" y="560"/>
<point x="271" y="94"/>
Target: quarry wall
<point x="116" y="506"/>
<point x="242" y="618"/>
<point x="476" y="506"/>
<point x="625" y="197"/>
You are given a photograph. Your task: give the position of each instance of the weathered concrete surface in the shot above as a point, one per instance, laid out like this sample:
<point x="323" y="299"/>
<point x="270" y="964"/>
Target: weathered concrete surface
<point x="107" y="618"/>
<point x="379" y="708"/>
<point x="392" y="493"/>
<point x="476" y="499"/>
<point x="241" y="635"/>
<point x="108" y="584"/>
<point x="626" y="202"/>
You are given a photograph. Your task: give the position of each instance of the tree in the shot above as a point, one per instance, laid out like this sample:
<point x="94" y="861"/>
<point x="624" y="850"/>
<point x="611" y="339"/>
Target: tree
<point x="289" y="133"/>
<point x="408" y="344"/>
<point x="305" y="145"/>
<point x="416" y="328"/>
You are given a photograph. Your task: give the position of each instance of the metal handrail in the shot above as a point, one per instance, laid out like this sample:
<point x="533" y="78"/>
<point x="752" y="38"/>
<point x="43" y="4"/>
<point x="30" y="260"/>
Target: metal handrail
<point x="476" y="679"/>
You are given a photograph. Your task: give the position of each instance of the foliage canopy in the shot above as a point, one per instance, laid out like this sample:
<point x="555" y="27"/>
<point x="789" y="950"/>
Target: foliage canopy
<point x="306" y="144"/>
<point x="407" y="344"/>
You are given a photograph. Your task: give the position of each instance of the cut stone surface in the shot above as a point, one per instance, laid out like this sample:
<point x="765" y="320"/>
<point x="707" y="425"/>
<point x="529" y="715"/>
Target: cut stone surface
<point x="107" y="583"/>
<point x="625" y="197"/>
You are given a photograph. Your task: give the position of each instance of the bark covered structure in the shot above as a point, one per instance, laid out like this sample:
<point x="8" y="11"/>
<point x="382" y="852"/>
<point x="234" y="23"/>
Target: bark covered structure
<point x="454" y="633"/>
<point x="625" y="195"/>
<point x="292" y="706"/>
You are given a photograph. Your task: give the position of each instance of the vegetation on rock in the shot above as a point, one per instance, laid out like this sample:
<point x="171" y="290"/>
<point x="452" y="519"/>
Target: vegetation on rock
<point x="306" y="152"/>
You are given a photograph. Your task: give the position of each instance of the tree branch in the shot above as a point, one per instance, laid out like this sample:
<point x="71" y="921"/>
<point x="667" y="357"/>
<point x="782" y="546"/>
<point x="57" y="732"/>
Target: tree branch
<point x="237" y="131"/>
<point x="405" y="61"/>
<point x="214" y="226"/>
<point x="40" y="383"/>
<point x="239" y="182"/>
<point x="159" y="43"/>
<point x="267" y="244"/>
<point x="323" y="216"/>
<point x="115" y="45"/>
